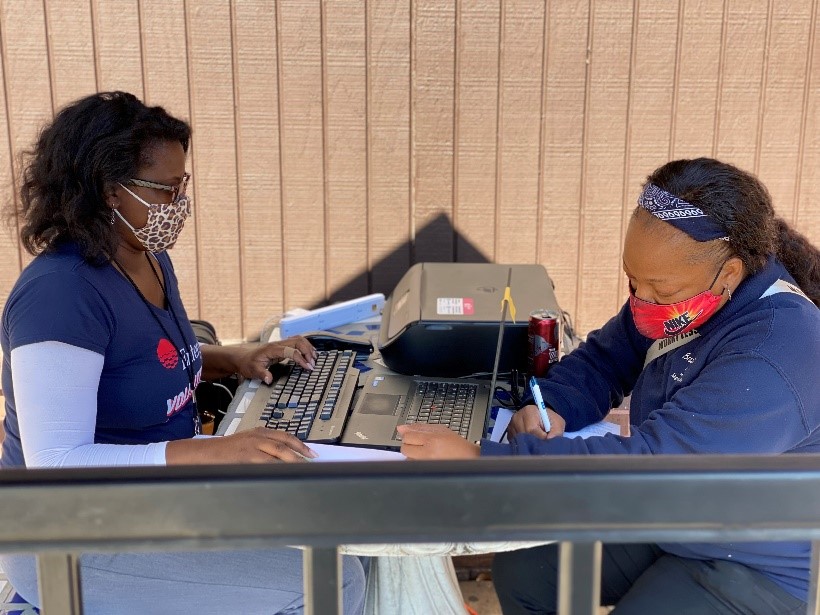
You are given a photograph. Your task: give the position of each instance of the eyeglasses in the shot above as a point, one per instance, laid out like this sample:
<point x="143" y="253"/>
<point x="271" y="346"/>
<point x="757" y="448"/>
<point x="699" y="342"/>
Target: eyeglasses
<point x="177" y="191"/>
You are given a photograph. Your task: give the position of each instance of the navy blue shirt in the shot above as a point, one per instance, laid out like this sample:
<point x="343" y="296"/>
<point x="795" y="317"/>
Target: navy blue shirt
<point x="742" y="386"/>
<point x="144" y="394"/>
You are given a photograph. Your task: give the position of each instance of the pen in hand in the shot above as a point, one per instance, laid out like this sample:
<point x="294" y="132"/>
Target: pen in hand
<point x="539" y="403"/>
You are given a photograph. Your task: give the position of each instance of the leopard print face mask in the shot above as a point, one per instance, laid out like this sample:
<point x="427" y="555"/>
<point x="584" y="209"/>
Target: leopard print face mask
<point x="165" y="222"/>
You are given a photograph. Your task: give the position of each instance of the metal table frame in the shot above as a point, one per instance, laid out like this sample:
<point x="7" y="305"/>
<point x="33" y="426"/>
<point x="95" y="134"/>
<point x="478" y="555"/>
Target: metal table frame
<point x="579" y="501"/>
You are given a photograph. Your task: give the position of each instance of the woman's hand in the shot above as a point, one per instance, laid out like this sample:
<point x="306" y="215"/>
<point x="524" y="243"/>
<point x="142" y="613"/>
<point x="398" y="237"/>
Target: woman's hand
<point x="528" y="420"/>
<point x="253" y="363"/>
<point x="258" y="445"/>
<point x="252" y="360"/>
<point x="435" y="442"/>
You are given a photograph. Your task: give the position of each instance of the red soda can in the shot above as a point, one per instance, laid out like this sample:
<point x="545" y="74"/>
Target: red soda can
<point x="542" y="335"/>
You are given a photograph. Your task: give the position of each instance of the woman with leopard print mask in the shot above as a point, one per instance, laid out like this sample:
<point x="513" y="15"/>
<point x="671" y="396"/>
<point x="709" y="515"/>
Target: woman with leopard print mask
<point x="101" y="363"/>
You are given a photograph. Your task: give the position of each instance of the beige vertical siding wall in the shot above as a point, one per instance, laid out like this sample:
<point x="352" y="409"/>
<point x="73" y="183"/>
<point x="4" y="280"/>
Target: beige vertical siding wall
<point x="336" y="143"/>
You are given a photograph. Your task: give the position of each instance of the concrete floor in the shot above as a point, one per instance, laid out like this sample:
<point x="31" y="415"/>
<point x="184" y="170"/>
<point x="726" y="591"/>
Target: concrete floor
<point x="480" y="596"/>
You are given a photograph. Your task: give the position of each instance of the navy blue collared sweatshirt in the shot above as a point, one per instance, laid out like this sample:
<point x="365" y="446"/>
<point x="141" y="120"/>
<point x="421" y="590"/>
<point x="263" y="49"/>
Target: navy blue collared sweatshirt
<point x="747" y="384"/>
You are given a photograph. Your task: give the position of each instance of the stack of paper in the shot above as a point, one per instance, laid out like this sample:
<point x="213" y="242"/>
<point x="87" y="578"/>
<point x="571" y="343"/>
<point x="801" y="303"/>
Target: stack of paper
<point x="596" y="429"/>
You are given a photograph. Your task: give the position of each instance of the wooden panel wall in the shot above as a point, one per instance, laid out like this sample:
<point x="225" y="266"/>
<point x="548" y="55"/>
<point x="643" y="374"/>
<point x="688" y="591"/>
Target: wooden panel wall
<point x="336" y="143"/>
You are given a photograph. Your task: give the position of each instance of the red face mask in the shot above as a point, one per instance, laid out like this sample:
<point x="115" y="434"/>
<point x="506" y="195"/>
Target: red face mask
<point x="657" y="321"/>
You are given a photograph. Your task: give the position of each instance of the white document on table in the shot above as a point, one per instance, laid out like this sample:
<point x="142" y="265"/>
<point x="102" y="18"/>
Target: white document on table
<point x="600" y="428"/>
<point x="331" y="452"/>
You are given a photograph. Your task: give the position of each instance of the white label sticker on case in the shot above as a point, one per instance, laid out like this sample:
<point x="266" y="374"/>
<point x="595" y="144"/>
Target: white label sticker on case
<point x="455" y="306"/>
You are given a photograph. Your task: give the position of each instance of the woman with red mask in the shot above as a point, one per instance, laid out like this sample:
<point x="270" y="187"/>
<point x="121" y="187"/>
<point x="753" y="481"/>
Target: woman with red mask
<point x="712" y="345"/>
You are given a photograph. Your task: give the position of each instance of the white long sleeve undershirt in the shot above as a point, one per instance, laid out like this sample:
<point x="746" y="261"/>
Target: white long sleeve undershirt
<point x="55" y="394"/>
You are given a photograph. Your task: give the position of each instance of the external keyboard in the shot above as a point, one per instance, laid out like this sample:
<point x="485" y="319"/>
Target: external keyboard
<point x="312" y="405"/>
<point x="444" y="403"/>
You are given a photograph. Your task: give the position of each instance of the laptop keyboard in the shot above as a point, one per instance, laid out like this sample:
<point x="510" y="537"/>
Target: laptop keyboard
<point x="444" y="403"/>
<point x="303" y="402"/>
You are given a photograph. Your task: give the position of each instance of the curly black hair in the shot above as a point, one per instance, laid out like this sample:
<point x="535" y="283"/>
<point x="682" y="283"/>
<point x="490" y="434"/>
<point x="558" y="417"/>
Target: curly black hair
<point x="740" y="203"/>
<point x="92" y="144"/>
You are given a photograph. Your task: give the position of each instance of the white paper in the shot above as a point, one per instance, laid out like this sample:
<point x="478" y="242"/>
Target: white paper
<point x="331" y="452"/>
<point x="501" y="421"/>
<point x="600" y="428"/>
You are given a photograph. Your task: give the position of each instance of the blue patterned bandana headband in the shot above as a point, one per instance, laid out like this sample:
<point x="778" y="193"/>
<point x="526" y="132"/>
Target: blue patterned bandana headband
<point x="680" y="214"/>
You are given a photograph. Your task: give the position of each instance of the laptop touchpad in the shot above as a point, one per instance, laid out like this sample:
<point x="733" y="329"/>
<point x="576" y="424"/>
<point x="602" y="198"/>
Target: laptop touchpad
<point x="377" y="403"/>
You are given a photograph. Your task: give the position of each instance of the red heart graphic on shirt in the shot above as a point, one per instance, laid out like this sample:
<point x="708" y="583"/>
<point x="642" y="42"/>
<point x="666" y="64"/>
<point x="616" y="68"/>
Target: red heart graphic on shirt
<point x="167" y="354"/>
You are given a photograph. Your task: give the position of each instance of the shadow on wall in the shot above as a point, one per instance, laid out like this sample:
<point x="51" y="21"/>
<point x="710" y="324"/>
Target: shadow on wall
<point x="438" y="241"/>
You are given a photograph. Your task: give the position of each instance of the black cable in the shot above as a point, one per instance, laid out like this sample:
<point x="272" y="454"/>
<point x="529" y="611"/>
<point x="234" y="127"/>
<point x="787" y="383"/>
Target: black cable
<point x="500" y="398"/>
<point x="515" y="392"/>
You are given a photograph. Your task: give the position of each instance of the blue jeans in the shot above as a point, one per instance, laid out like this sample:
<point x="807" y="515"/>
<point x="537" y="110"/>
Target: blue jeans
<point x="641" y="579"/>
<point x="266" y="582"/>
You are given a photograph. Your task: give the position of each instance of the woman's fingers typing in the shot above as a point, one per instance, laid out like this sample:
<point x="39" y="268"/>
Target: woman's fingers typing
<point x="282" y="445"/>
<point x="260" y="445"/>
<point x="299" y="350"/>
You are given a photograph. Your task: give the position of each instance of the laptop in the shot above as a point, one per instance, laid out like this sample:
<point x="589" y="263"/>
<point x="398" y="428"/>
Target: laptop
<point x="322" y="405"/>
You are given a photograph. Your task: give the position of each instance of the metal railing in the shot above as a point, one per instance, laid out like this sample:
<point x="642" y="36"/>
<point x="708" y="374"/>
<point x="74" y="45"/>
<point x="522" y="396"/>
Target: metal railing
<point x="581" y="502"/>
